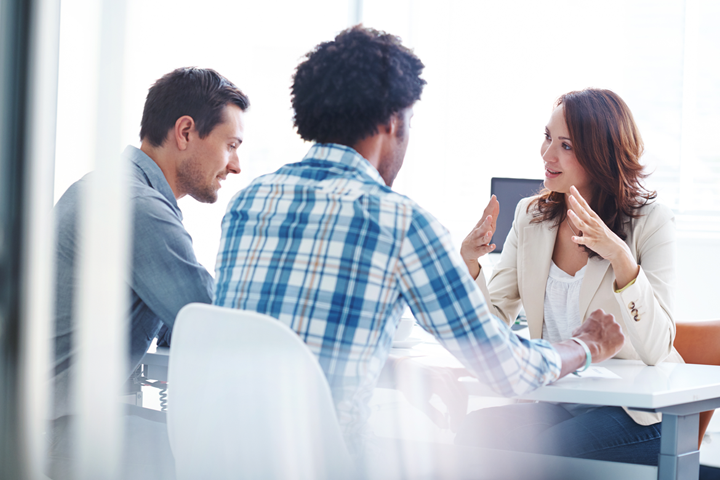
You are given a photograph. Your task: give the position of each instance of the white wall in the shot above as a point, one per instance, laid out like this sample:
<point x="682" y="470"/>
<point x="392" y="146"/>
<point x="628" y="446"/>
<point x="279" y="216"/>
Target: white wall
<point x="698" y="295"/>
<point x="493" y="71"/>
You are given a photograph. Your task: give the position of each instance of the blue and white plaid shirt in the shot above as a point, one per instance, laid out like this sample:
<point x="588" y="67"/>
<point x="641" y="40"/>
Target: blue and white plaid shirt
<point x="328" y="249"/>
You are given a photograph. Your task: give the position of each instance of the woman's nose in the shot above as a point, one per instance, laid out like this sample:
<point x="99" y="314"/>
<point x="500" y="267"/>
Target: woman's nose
<point x="547" y="152"/>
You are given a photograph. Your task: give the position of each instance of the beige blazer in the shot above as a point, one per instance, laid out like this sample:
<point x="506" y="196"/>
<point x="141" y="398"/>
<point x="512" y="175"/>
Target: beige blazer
<point x="521" y="276"/>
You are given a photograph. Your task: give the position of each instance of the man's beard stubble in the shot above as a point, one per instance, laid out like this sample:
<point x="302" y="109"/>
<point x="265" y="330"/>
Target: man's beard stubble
<point x="390" y="168"/>
<point x="190" y="180"/>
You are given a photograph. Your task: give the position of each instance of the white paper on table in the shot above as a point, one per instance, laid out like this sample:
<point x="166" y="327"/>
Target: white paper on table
<point x="595" y="372"/>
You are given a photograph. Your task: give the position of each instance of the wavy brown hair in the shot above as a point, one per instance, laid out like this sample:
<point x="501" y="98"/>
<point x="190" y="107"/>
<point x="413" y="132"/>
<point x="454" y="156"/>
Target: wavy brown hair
<point x="608" y="146"/>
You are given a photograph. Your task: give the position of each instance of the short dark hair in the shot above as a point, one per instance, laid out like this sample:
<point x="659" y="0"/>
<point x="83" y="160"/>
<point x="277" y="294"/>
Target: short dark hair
<point x="200" y="93"/>
<point x="346" y="88"/>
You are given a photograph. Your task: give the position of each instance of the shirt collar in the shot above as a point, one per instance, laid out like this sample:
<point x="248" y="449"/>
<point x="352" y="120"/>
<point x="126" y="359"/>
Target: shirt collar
<point x="333" y="152"/>
<point x="148" y="171"/>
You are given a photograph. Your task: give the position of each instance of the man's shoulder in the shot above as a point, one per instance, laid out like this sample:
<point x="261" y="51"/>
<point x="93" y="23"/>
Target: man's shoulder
<point x="144" y="194"/>
<point x="67" y="206"/>
<point x="151" y="207"/>
<point x="386" y="194"/>
<point x="388" y="204"/>
<point x="144" y="199"/>
<point x="298" y="176"/>
<point x="420" y="219"/>
<point x="69" y="199"/>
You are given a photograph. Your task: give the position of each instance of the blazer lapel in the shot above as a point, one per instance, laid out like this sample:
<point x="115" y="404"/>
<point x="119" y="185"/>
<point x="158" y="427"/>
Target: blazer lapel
<point x="534" y="264"/>
<point x="596" y="269"/>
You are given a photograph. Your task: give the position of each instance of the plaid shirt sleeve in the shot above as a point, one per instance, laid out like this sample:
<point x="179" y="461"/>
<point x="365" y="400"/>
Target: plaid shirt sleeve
<point x="447" y="303"/>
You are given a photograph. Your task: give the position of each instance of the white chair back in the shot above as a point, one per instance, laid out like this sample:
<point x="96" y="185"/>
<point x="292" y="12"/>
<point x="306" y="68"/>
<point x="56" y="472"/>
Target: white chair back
<point x="247" y="399"/>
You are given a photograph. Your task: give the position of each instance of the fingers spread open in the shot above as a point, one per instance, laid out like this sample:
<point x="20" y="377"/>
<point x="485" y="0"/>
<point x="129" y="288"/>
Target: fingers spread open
<point x="579" y="198"/>
<point x="576" y="220"/>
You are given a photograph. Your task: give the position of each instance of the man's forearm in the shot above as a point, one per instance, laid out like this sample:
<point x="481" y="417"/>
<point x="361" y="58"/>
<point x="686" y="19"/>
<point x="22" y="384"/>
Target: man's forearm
<point x="603" y="337"/>
<point x="572" y="356"/>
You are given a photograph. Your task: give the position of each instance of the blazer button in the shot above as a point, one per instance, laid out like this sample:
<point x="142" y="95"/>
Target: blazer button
<point x="637" y="318"/>
<point x="631" y="305"/>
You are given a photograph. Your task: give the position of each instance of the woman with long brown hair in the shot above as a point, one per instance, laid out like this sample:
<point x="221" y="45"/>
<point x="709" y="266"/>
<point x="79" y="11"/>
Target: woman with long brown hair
<point x="593" y="238"/>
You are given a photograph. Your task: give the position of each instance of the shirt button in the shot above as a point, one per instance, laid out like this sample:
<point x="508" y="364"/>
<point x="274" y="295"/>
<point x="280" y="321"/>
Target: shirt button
<point x="631" y="305"/>
<point x="634" y="312"/>
<point x="637" y="318"/>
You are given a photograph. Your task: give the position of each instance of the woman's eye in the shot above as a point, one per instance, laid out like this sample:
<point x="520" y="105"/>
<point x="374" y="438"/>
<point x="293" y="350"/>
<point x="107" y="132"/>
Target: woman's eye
<point x="566" y="146"/>
<point x="547" y="136"/>
<point x="233" y="146"/>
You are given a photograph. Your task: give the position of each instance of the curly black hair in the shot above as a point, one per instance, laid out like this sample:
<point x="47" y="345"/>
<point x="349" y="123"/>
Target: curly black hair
<point x="201" y="93"/>
<point x="348" y="87"/>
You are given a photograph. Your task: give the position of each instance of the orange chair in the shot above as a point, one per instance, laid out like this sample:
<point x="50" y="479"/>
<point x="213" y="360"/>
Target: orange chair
<point x="699" y="342"/>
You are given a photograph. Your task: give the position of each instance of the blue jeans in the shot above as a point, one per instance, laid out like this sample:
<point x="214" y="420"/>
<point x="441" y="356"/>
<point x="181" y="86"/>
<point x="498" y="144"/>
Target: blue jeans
<point x="606" y="433"/>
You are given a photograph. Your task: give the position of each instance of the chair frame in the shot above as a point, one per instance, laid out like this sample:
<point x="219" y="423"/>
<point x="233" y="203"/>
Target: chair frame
<point x="698" y="342"/>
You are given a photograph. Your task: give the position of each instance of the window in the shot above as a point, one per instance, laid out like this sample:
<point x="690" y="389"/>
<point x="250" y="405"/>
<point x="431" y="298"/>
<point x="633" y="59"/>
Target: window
<point x="493" y="69"/>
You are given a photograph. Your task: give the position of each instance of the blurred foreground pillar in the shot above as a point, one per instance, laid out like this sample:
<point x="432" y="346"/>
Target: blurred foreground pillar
<point x="29" y="32"/>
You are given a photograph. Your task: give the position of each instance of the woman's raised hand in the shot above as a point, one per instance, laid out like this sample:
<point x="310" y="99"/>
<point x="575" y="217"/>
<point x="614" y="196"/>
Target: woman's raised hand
<point x="600" y="239"/>
<point x="477" y="243"/>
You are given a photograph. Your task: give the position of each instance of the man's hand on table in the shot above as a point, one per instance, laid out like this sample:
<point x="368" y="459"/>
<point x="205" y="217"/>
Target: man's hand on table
<point x="418" y="382"/>
<point x="600" y="332"/>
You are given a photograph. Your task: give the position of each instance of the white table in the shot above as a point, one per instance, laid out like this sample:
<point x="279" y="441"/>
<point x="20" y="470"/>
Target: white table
<point x="678" y="391"/>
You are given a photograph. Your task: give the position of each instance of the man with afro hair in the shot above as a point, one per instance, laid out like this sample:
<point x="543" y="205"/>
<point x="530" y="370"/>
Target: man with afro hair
<point x="326" y="247"/>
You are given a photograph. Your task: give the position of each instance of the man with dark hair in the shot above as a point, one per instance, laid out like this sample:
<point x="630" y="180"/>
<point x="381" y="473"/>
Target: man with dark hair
<point x="331" y="251"/>
<point x="192" y="126"/>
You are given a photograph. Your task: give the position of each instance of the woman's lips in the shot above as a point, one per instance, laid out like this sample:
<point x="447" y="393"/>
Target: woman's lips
<point x="551" y="174"/>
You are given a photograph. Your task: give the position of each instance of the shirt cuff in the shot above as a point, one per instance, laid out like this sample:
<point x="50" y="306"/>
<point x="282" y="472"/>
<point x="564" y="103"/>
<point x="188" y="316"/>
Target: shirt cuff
<point x="625" y="287"/>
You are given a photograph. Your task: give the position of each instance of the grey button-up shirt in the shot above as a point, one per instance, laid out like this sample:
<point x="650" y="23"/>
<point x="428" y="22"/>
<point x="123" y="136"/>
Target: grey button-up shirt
<point x="165" y="274"/>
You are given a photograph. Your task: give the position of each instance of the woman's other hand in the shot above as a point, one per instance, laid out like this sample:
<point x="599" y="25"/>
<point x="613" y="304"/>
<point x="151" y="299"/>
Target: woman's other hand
<point x="600" y="239"/>
<point x="477" y="243"/>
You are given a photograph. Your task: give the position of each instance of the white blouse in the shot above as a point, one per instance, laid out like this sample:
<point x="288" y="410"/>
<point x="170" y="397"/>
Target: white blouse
<point x="562" y="304"/>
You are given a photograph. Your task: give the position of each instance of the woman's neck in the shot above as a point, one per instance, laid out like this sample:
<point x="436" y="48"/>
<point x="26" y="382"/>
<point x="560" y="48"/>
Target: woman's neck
<point x="585" y="193"/>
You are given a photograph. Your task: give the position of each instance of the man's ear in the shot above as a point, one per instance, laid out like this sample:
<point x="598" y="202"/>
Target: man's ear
<point x="182" y="130"/>
<point x="392" y="125"/>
